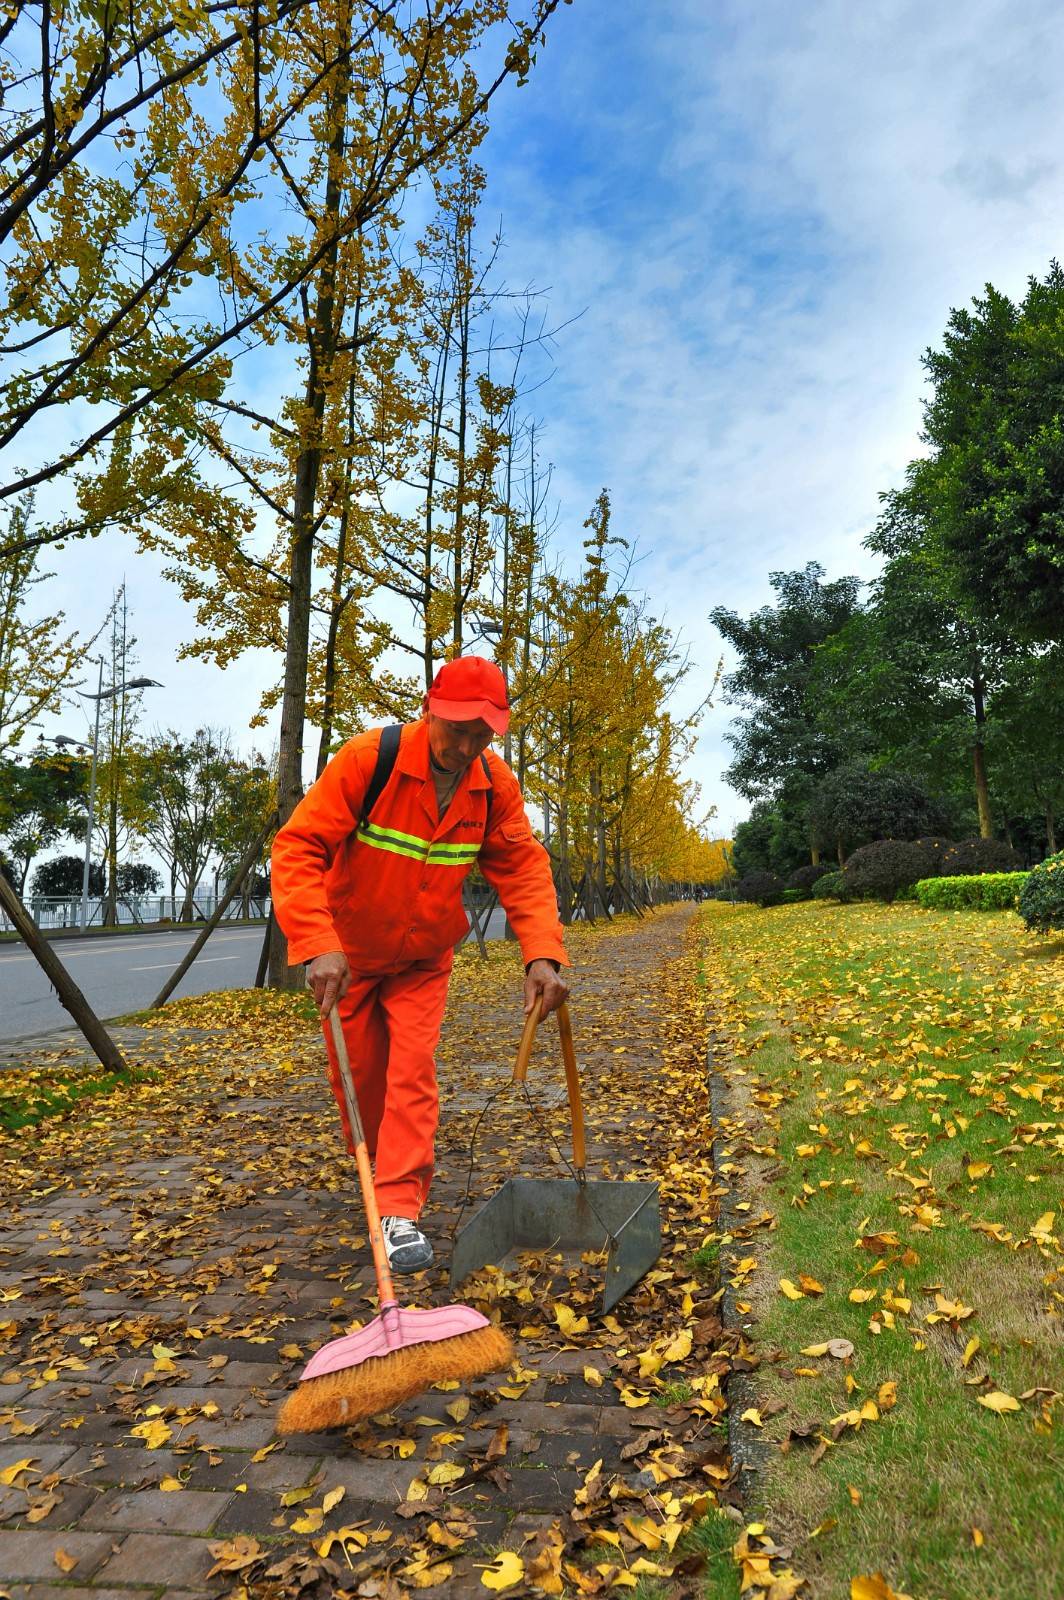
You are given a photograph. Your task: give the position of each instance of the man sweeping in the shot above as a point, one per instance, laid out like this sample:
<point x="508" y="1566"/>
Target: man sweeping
<point x="367" y="885"/>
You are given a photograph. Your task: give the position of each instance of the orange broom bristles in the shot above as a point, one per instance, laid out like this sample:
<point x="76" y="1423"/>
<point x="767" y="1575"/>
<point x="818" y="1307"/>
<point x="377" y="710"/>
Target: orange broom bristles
<point x="337" y="1399"/>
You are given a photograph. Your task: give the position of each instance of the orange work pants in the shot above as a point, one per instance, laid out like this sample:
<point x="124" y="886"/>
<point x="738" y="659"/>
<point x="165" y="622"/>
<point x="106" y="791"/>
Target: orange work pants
<point x="391" y="1026"/>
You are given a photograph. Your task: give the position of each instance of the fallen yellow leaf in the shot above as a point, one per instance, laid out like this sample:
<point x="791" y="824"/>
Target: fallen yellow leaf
<point x="568" y="1321"/>
<point x="506" y="1570"/>
<point x="874" y="1588"/>
<point x="999" y="1401"/>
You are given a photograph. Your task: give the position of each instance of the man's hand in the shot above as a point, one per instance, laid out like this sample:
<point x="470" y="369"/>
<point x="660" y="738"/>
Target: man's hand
<point x="541" y="979"/>
<point x="328" y="977"/>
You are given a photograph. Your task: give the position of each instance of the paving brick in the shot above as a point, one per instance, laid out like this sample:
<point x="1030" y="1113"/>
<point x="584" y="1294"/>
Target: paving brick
<point x="381" y="1482"/>
<point x="543" y="1417"/>
<point x="158" y="1510"/>
<point x="536" y="1488"/>
<point x="217" y="1434"/>
<point x="619" y="1422"/>
<point x="225" y="1396"/>
<point x="50" y="1591"/>
<point x="32" y="1417"/>
<point x="46" y="1457"/>
<point x="281" y="1470"/>
<point x="29" y="1553"/>
<point x="254" y="1512"/>
<point x="74" y="1501"/>
<point x="568" y="1361"/>
<point x="160" y="1558"/>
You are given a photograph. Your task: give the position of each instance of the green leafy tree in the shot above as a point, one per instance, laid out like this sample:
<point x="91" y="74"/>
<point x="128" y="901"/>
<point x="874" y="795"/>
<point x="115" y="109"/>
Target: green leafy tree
<point x="38" y="658"/>
<point x="778" y="734"/>
<point x="40" y="803"/>
<point x="178" y="793"/>
<point x="912" y="678"/>
<point x="854" y="806"/>
<point x="989" y="496"/>
<point x="61" y="878"/>
<point x="774" y="838"/>
<point x="782" y="744"/>
<point x="1027" y="739"/>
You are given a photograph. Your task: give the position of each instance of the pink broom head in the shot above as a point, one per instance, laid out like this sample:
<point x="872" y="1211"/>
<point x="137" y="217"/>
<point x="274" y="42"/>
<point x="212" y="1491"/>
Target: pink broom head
<point x="394" y="1329"/>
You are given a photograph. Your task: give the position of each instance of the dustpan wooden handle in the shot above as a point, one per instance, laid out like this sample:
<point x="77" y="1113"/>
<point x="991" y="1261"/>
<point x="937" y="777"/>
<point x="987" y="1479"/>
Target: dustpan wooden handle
<point x="572" y="1076"/>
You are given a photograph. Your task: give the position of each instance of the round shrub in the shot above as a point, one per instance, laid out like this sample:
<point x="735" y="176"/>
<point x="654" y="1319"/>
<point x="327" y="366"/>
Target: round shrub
<point x="969" y="857"/>
<point x="1042" y="896"/>
<point x="760" y="888"/>
<point x="890" y="867"/>
<point x="830" y="886"/>
<point x="803" y="878"/>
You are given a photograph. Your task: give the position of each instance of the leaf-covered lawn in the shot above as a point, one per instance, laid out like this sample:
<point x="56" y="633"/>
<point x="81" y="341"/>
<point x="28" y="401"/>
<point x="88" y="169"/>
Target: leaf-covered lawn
<point x="896" y="1099"/>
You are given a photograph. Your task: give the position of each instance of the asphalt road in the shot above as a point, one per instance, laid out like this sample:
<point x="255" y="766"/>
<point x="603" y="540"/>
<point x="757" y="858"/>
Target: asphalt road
<point x="125" y="973"/>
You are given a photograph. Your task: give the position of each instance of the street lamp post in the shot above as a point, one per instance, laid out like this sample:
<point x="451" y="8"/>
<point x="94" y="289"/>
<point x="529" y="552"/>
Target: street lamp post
<point x="101" y="695"/>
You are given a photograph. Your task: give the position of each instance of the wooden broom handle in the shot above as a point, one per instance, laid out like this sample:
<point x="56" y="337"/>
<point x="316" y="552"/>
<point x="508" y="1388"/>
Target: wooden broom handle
<point x="385" y="1288"/>
<point x="572" y="1076"/>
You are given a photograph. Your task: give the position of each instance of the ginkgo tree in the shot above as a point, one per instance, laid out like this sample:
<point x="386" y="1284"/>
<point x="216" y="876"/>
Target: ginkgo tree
<point x="143" y="151"/>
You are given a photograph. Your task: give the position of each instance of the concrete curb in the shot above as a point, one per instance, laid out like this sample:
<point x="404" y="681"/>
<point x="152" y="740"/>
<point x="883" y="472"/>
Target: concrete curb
<point x="749" y="1451"/>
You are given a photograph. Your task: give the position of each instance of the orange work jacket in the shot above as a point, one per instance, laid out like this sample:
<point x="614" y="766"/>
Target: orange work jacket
<point x="388" y="892"/>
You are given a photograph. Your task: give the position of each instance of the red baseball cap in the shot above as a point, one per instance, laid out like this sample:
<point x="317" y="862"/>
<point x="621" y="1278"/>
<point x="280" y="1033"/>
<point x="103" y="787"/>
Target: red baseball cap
<point x="471" y="688"/>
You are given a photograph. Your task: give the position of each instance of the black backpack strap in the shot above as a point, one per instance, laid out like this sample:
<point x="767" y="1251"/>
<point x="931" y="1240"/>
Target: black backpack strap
<point x="387" y="751"/>
<point x="490" y="794"/>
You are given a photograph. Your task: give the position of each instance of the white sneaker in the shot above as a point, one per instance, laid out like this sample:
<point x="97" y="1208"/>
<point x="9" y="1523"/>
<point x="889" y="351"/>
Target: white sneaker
<point x="408" y="1249"/>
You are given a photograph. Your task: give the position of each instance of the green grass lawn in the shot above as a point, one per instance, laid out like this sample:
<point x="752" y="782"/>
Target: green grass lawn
<point x="899" y="1073"/>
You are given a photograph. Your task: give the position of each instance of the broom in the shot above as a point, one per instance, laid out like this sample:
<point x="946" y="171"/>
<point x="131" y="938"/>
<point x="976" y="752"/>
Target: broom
<point x="400" y="1353"/>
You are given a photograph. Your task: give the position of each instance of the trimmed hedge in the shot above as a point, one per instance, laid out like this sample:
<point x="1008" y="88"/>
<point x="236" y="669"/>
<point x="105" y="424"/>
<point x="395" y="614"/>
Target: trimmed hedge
<point x="831" y="886"/>
<point x="1042" y="897"/>
<point x="987" y="891"/>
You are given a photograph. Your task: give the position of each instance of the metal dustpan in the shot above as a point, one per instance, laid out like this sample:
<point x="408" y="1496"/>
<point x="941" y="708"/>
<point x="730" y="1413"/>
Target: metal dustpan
<point x="575" y="1213"/>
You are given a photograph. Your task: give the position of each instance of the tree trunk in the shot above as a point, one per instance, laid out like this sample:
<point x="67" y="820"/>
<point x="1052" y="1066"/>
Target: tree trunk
<point x="321" y="333"/>
<point x="1051" y="831"/>
<point x="69" y="995"/>
<point x="110" y="914"/>
<point x="814" y="854"/>
<point x="982" y="791"/>
<point x="246" y="866"/>
<point x="565" y="878"/>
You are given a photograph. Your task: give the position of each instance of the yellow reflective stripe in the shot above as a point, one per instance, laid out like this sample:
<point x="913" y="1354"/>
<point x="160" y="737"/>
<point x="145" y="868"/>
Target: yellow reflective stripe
<point x="409" y="845"/>
<point x="393" y="849"/>
<point x="393" y="833"/>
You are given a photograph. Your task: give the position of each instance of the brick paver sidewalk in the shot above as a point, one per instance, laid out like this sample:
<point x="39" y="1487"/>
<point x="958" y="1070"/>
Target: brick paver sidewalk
<point x="168" y="1260"/>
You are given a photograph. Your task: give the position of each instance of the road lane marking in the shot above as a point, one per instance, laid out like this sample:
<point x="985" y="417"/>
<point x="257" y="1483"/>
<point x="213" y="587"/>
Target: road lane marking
<point x="202" y="961"/>
<point x="169" y="944"/>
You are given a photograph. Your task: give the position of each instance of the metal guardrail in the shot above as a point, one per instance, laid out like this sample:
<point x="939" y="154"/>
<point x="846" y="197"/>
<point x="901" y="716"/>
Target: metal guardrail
<point x="145" y="910"/>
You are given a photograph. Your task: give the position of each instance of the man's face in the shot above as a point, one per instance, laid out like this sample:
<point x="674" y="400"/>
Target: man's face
<point x="456" y="745"/>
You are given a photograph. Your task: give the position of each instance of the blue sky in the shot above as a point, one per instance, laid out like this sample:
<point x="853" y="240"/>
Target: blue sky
<point x="764" y="214"/>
